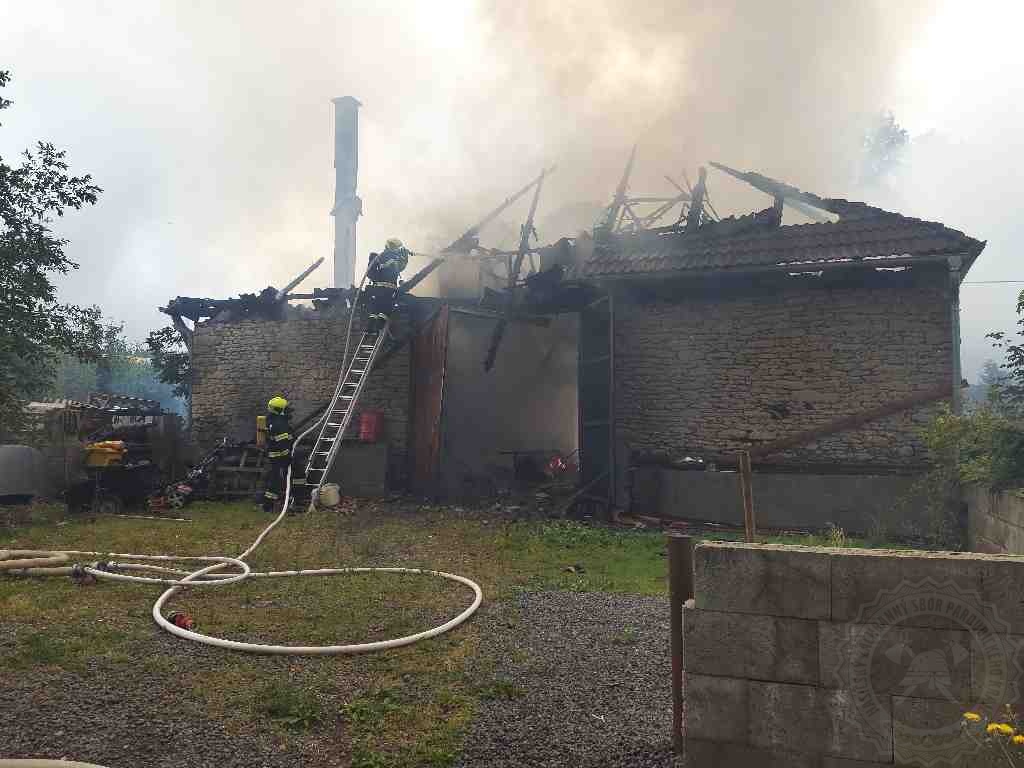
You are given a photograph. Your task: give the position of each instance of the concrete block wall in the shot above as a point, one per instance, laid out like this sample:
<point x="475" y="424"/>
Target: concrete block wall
<point x="238" y="366"/>
<point x="826" y="658"/>
<point x="797" y="500"/>
<point x="995" y="520"/>
<point x="717" y="372"/>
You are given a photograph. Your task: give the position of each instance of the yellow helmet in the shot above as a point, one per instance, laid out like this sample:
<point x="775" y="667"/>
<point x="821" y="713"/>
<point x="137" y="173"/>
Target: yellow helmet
<point x="277" y="405"/>
<point x="393" y="244"/>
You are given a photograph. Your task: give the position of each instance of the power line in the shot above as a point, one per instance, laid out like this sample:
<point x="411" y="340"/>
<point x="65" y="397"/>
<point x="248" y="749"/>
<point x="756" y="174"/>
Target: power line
<point x="989" y="282"/>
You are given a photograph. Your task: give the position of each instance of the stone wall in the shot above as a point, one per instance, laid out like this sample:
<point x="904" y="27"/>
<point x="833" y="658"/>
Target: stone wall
<point x="995" y="520"/>
<point x="238" y="366"/>
<point x="831" y="658"/>
<point x="718" y="370"/>
<point x="856" y="503"/>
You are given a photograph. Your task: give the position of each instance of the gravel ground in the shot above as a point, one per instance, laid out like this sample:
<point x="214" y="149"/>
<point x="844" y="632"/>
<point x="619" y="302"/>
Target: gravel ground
<point x="128" y="719"/>
<point x="591" y="683"/>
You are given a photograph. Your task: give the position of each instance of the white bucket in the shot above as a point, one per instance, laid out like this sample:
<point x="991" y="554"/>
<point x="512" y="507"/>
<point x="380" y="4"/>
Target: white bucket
<point x="328" y="496"/>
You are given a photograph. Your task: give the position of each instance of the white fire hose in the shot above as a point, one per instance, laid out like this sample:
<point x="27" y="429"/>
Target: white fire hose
<point x="59" y="563"/>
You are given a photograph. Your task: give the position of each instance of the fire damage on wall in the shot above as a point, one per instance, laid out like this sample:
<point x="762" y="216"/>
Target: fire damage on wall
<point x="668" y="339"/>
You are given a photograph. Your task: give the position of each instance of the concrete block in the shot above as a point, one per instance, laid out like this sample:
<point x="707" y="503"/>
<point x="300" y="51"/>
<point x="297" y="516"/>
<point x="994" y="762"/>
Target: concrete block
<point x="716" y="708"/>
<point x="842" y="762"/>
<point x="1001" y="586"/>
<point x="751" y="646"/>
<point x="810" y="719"/>
<point x="930" y="662"/>
<point x="864" y="579"/>
<point x="708" y="754"/>
<point x="768" y="579"/>
<point x="927" y="733"/>
<point x="997" y="671"/>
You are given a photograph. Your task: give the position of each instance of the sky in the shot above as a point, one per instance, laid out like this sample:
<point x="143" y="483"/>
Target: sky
<point x="208" y="125"/>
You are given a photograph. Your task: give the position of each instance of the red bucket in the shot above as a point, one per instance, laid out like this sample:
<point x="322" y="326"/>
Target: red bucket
<point x="371" y="425"/>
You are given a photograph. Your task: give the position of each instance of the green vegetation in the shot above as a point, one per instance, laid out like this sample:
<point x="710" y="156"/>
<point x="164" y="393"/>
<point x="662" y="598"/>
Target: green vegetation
<point x="405" y="708"/>
<point x="409" y="707"/>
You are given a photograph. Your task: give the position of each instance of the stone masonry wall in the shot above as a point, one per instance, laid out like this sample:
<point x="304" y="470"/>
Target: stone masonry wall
<point x="995" y="520"/>
<point x="715" y="373"/>
<point x="239" y="366"/>
<point x="842" y="658"/>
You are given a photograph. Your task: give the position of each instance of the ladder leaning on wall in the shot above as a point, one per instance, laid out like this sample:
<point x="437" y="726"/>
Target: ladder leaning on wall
<point x="339" y="413"/>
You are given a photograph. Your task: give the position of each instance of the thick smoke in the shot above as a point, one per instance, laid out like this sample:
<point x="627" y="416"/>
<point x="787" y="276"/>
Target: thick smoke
<point x="209" y="125"/>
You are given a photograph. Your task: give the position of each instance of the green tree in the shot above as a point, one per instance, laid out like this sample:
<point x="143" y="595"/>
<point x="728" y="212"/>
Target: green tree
<point x="883" y="147"/>
<point x="1010" y="387"/>
<point x="172" y="360"/>
<point x="34" y="327"/>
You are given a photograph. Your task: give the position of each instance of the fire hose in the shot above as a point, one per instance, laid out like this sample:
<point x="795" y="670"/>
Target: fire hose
<point x="59" y="563"/>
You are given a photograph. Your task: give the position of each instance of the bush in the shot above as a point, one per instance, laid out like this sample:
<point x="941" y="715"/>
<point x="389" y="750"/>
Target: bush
<point x="983" y="446"/>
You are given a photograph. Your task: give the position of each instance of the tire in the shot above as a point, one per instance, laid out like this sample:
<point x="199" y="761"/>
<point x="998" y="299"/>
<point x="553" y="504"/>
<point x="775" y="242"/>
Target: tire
<point x="109" y="504"/>
<point x="175" y="499"/>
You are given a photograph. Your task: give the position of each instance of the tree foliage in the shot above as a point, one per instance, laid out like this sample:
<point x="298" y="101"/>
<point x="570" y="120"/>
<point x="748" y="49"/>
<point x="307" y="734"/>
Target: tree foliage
<point x="1010" y="388"/>
<point x="34" y="327"/>
<point x="883" y="147"/>
<point x="171" y="360"/>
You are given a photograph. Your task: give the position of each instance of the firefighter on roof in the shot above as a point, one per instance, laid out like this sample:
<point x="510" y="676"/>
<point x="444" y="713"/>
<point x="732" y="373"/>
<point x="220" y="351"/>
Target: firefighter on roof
<point x="382" y="275"/>
<point x="279" y="451"/>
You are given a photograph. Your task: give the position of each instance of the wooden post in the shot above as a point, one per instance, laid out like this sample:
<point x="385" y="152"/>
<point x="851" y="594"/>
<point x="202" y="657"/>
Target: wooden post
<point x="746" y="489"/>
<point x="680" y="589"/>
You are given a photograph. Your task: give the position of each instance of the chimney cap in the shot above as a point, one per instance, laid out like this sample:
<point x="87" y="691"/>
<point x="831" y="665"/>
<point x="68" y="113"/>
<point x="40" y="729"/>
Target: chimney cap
<point x="346" y="99"/>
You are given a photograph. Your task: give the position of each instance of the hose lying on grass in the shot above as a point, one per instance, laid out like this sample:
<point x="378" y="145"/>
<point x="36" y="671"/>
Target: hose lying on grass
<point x="44" y="764"/>
<point x="59" y="563"/>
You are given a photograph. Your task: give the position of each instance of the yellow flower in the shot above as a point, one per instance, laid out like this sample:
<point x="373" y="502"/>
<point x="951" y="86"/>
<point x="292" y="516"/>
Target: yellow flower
<point x="1018" y="739"/>
<point x="972" y="717"/>
<point x="1001" y="728"/>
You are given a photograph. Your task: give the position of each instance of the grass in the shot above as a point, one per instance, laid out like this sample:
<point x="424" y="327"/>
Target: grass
<point x="409" y="707"/>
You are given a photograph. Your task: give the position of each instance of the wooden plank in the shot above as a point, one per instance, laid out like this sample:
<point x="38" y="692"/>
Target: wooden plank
<point x="680" y="588"/>
<point x="850" y="422"/>
<point x="747" y="492"/>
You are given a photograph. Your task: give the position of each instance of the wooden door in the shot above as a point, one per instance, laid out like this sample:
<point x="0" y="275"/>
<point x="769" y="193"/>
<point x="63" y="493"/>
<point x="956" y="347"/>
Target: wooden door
<point x="429" y="357"/>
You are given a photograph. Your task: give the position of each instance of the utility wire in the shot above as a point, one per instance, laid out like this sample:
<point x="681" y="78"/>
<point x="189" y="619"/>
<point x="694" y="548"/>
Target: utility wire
<point x="989" y="282"/>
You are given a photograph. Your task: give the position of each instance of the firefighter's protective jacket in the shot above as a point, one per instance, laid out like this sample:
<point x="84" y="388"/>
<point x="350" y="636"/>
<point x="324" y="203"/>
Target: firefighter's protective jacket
<point x="279" y="437"/>
<point x="387" y="267"/>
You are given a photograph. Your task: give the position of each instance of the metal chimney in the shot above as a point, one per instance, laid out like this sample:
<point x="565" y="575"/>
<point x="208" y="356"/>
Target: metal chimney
<point x="347" y="205"/>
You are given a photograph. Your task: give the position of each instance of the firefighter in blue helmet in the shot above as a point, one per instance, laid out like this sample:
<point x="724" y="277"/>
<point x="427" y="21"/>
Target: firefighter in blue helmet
<point x="382" y="275"/>
<point x="279" y="451"/>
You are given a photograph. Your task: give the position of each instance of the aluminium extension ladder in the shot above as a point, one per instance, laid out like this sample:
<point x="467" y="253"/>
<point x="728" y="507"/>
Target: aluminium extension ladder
<point x="342" y="408"/>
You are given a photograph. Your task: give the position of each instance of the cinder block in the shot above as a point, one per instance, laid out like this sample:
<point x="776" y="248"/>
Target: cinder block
<point x="751" y="646"/>
<point x="775" y="580"/>
<point x="927" y="733"/>
<point x="1001" y="586"/>
<point x="716" y="708"/>
<point x="713" y="754"/>
<point x="818" y="720"/>
<point x="997" y="670"/>
<point x="865" y="580"/>
<point x="928" y="662"/>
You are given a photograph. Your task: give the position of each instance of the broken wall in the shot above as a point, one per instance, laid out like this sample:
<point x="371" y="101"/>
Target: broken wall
<point x="526" y="402"/>
<point x="714" y="370"/>
<point x="239" y="366"/>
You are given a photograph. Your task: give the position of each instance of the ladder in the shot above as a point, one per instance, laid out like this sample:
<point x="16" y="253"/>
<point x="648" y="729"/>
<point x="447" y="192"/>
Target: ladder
<point x="342" y="408"/>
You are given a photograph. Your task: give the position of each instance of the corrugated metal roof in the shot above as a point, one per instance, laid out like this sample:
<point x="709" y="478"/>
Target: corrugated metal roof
<point x="862" y="233"/>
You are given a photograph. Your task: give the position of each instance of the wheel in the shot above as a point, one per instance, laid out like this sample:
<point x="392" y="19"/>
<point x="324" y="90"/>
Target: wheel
<point x="175" y="499"/>
<point x="108" y="504"/>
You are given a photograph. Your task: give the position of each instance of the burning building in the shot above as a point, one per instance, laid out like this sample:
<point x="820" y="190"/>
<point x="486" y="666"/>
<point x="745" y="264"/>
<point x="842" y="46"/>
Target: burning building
<point x="660" y="354"/>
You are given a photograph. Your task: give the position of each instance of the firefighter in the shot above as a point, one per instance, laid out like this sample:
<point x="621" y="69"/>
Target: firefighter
<point x="382" y="275"/>
<point x="279" y="451"/>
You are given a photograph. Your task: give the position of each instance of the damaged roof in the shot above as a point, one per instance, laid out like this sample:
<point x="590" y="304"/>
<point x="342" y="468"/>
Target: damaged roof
<point x="862" y="233"/>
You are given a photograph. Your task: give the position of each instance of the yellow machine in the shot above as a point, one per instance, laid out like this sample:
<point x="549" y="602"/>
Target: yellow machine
<point x="107" y="453"/>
